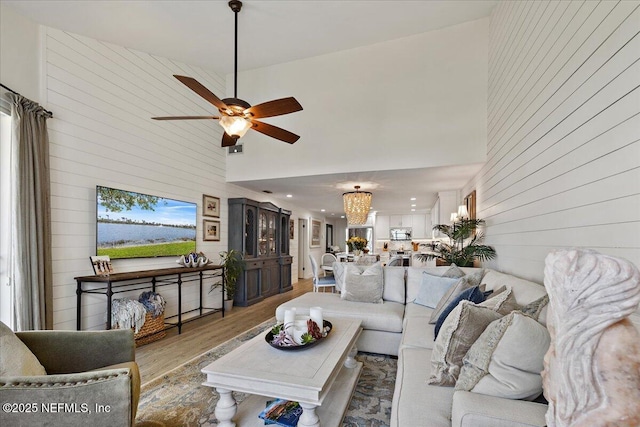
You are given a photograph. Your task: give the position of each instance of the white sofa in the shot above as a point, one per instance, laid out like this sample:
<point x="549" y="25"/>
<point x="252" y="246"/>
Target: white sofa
<point x="401" y="328"/>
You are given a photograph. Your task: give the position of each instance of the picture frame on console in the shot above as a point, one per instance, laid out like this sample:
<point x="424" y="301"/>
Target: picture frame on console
<point x="210" y="206"/>
<point x="316" y="233"/>
<point x="101" y="265"/>
<point x="211" y="230"/>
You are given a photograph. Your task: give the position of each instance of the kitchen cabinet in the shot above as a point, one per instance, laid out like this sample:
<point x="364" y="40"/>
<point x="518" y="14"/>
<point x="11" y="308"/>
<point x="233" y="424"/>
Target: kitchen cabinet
<point x="400" y="221"/>
<point x="382" y="227"/>
<point x="261" y="232"/>
<point x="419" y="227"/>
<point x="416" y="222"/>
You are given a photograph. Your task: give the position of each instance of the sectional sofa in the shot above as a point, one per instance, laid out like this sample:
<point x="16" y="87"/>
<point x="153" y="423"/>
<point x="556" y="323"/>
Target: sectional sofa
<point x="400" y="327"/>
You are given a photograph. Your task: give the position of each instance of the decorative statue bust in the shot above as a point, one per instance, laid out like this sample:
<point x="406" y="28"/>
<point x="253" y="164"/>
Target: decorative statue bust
<point x="591" y="372"/>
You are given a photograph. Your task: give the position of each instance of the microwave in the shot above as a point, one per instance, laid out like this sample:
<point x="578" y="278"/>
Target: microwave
<point x="400" y="234"/>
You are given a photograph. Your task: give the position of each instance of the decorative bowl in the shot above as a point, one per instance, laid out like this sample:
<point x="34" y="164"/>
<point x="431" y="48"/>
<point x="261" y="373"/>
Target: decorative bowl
<point x="269" y="339"/>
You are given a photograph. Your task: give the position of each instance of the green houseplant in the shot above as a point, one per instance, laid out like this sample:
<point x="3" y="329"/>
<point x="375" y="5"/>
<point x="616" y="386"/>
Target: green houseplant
<point x="233" y="263"/>
<point x="464" y="246"/>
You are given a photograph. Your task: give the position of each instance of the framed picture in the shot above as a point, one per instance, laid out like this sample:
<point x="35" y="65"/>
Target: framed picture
<point x="291" y="228"/>
<point x="211" y="230"/>
<point x="210" y="206"/>
<point x="316" y="227"/>
<point x="102" y="265"/>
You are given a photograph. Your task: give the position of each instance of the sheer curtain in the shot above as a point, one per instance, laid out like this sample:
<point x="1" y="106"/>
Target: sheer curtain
<point x="30" y="252"/>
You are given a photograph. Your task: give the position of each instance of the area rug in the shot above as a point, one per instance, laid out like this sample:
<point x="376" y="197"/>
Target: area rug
<point x="177" y="399"/>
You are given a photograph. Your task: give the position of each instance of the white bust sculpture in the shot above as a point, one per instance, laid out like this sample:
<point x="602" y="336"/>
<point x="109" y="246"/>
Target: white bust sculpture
<point x="591" y="372"/>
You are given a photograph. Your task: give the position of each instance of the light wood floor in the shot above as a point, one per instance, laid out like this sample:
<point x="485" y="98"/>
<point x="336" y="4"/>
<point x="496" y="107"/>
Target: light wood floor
<point x="201" y="335"/>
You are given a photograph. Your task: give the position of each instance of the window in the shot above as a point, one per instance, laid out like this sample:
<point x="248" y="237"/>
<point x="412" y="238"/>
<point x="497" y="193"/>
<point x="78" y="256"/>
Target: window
<point x="6" y="291"/>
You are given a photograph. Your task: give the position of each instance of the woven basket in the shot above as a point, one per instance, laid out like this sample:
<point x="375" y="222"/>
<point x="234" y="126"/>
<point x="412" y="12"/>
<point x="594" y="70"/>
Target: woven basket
<point x="152" y="330"/>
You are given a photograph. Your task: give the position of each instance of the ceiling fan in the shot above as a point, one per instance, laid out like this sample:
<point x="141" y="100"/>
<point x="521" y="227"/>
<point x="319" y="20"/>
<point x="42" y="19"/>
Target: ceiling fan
<point x="236" y="115"/>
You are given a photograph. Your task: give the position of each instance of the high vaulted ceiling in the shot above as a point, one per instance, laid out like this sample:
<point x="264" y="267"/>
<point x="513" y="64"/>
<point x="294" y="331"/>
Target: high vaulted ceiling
<point x="270" y="32"/>
<point x="275" y="32"/>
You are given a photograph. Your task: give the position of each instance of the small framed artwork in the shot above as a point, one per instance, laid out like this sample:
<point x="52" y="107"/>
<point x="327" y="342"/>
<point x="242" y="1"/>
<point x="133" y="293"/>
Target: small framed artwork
<point x="210" y="206"/>
<point x="291" y="228"/>
<point x="316" y="226"/>
<point x="102" y="265"/>
<point x="211" y="230"/>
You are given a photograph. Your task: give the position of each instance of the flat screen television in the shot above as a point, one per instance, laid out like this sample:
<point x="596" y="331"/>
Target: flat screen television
<point x="135" y="225"/>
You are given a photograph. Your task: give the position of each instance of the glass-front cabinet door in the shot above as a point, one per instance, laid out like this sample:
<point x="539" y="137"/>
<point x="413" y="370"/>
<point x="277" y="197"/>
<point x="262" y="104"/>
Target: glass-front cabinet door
<point x="250" y="232"/>
<point x="272" y="218"/>
<point x="262" y="234"/>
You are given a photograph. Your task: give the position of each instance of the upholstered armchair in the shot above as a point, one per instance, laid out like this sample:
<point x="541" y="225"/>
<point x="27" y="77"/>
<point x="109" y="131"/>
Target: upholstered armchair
<point x="91" y="378"/>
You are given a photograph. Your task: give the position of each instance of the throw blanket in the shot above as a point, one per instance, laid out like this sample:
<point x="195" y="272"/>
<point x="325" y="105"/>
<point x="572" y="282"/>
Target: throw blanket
<point x="126" y="313"/>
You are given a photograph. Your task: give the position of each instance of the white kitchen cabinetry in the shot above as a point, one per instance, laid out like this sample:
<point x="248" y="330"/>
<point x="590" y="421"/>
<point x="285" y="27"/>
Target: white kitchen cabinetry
<point x="419" y="224"/>
<point x="400" y="220"/>
<point x="418" y="227"/>
<point x="382" y="227"/>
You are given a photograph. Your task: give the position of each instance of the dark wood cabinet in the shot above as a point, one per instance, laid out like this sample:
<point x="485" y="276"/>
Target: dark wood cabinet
<point x="261" y="232"/>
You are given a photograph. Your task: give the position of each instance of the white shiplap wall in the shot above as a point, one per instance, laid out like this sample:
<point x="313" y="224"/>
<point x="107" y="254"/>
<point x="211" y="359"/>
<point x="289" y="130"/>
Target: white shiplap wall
<point x="103" y="97"/>
<point x="563" y="154"/>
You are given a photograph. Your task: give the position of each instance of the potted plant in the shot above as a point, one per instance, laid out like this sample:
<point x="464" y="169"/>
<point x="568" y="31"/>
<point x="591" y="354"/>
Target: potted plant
<point x="233" y="263"/>
<point x="464" y="246"/>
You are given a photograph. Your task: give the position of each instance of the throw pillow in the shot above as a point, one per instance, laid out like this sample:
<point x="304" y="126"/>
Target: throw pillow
<point x="474" y="295"/>
<point x="363" y="287"/>
<point x="464" y="283"/>
<point x="339" y="274"/>
<point x="534" y="308"/>
<point x="507" y="359"/>
<point x="17" y="359"/>
<point x="454" y="272"/>
<point x="432" y="289"/>
<point x="504" y="302"/>
<point x="394" y="284"/>
<point x="459" y="331"/>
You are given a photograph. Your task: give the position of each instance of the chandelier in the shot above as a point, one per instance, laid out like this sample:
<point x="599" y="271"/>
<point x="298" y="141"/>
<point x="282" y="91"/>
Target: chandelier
<point x="356" y="206"/>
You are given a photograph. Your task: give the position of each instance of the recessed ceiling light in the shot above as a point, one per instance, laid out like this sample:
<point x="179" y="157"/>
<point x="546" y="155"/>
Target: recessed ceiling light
<point x="341" y="216"/>
<point x="413" y="205"/>
<point x="413" y="210"/>
<point x="412" y="199"/>
<point x="289" y="195"/>
<point x="322" y="210"/>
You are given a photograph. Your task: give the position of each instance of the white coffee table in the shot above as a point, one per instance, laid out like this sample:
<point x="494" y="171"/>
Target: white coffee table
<point x="325" y="374"/>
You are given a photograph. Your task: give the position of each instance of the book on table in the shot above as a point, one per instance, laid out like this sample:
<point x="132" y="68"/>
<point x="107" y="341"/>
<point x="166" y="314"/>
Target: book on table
<point x="281" y="412"/>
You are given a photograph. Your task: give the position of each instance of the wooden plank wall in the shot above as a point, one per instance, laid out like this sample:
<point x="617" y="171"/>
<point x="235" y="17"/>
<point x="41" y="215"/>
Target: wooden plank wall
<point x="563" y="154"/>
<point x="103" y="97"/>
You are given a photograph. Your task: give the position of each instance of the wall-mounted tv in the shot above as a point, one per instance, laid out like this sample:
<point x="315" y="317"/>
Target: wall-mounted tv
<point x="135" y="225"/>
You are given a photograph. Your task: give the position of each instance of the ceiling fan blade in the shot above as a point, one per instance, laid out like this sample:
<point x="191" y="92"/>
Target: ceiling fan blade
<point x="274" y="131"/>
<point x="277" y="107"/>
<point x="228" y="141"/>
<point x="195" y="86"/>
<point x="187" y="118"/>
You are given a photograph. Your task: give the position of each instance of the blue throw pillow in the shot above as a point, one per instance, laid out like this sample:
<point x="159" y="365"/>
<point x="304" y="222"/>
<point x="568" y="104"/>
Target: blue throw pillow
<point x="432" y="289"/>
<point x="474" y="295"/>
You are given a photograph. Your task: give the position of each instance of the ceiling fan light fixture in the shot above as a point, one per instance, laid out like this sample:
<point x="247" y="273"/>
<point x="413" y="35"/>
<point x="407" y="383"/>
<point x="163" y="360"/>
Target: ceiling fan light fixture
<point x="237" y="115"/>
<point x="235" y="126"/>
<point x="357" y="205"/>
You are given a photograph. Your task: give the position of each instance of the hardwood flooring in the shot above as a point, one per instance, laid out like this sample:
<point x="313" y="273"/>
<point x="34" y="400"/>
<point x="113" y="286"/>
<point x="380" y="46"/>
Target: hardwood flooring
<point x="197" y="337"/>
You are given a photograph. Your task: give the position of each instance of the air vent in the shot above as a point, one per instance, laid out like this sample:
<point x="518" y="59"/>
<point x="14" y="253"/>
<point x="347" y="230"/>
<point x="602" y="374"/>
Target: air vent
<point x="235" y="149"/>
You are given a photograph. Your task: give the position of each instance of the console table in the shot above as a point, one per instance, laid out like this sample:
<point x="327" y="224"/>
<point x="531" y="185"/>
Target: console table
<point x="111" y="284"/>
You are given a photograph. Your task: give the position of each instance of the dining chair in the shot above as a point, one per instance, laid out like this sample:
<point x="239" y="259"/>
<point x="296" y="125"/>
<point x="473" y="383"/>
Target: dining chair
<point x="395" y="261"/>
<point x="320" y="282"/>
<point x="327" y="263"/>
